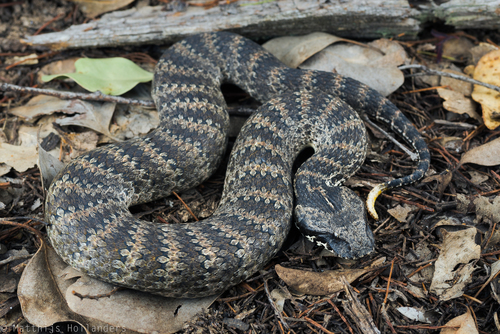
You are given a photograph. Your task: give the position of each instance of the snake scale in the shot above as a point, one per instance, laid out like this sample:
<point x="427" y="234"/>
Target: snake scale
<point x="90" y="225"/>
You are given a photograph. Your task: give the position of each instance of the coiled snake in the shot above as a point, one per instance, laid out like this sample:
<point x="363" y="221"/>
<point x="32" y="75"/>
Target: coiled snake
<point x="87" y="204"/>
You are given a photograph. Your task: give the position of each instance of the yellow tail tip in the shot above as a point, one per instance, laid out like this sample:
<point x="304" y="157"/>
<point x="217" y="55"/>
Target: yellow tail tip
<point x="372" y="197"/>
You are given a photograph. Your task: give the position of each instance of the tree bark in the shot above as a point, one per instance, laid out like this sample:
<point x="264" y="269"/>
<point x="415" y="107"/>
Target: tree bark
<point x="360" y="19"/>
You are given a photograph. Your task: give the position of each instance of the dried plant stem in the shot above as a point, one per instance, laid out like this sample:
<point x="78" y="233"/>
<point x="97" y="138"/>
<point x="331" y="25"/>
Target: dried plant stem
<point x="96" y="96"/>
<point x="427" y="71"/>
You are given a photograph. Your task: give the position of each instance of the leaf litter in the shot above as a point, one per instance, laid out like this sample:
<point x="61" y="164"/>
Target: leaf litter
<point x="412" y="242"/>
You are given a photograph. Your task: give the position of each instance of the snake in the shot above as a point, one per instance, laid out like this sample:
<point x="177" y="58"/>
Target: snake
<point x="92" y="229"/>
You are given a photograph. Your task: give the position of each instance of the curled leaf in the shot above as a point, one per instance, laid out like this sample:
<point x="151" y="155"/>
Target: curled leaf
<point x="315" y="283"/>
<point x="488" y="71"/>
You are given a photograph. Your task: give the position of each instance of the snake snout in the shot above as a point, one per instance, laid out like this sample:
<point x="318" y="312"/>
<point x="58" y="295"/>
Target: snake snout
<point x="334" y="218"/>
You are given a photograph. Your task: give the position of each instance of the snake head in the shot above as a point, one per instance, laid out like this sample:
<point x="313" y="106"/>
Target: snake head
<point x="335" y="218"/>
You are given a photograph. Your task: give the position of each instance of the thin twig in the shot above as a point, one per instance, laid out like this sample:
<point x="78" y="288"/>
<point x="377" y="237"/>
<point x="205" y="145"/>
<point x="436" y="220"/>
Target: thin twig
<point x="412" y="155"/>
<point x="275" y="309"/>
<point x="428" y="71"/>
<point x="185" y="205"/>
<point x="341" y="315"/>
<point x="389" y="281"/>
<point x="14" y="258"/>
<point x="314" y="323"/>
<point x="45" y="25"/>
<point x="96" y="96"/>
<point x="29" y="228"/>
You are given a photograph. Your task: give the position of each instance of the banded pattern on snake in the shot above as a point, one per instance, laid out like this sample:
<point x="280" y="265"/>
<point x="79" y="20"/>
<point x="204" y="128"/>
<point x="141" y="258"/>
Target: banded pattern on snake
<point x="87" y="204"/>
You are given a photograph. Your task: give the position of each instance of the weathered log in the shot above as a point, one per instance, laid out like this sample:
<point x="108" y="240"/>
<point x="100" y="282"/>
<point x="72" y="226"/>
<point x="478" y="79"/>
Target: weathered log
<point x="345" y="18"/>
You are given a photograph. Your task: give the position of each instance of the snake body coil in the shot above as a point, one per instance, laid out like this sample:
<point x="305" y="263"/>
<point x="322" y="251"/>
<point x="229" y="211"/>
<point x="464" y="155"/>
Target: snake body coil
<point x="92" y="229"/>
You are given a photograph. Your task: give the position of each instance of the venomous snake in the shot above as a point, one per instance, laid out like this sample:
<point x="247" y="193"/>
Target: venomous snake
<point x="90" y="225"/>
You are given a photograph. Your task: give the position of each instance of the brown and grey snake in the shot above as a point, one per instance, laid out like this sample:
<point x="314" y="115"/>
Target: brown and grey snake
<point x="87" y="204"/>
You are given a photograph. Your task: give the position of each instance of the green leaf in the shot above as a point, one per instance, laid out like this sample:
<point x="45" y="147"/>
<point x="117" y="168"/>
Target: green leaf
<point x="112" y="76"/>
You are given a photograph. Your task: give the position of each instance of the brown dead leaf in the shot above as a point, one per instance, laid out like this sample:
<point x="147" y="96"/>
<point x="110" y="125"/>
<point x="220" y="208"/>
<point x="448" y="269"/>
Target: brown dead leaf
<point x="443" y="180"/>
<point x="456" y="102"/>
<point x="317" y="283"/>
<point x="460" y="86"/>
<point x="377" y="69"/>
<point x="40" y="295"/>
<point x="133" y="121"/>
<point x="458" y="248"/>
<point x="57" y="67"/>
<point x="416" y="314"/>
<point x="46" y="294"/>
<point x="42" y="105"/>
<point x="485" y="155"/>
<point x="49" y="166"/>
<point x="21" y="158"/>
<point x="93" y="8"/>
<point x="464" y="324"/>
<point x="93" y="115"/>
<point x="453" y="144"/>
<point x="401" y="212"/>
<point x="493" y="281"/>
<point x="480" y="50"/>
<point x="477" y="178"/>
<point x="458" y="48"/>
<point x="488" y="71"/>
<point x="294" y="50"/>
<point x="486" y="209"/>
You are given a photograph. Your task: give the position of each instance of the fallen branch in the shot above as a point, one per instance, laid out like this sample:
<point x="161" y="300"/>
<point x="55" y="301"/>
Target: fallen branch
<point x="96" y="96"/>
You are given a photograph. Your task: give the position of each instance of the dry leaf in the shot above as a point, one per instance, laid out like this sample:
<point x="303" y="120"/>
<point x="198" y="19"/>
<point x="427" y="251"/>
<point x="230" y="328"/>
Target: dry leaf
<point x="417" y="314"/>
<point x="443" y="180"/>
<point x="465" y="325"/>
<point x="93" y="115"/>
<point x="456" y="102"/>
<point x="42" y="105"/>
<point x="460" y="86"/>
<point x="488" y="71"/>
<point x="49" y="166"/>
<point x="12" y="193"/>
<point x="366" y="65"/>
<point x="485" y="155"/>
<point x="458" y="48"/>
<point x="4" y="169"/>
<point x="279" y="297"/>
<point x="401" y="212"/>
<point x="317" y="283"/>
<point x="133" y="121"/>
<point x="21" y="158"/>
<point x="486" y="209"/>
<point x="93" y="8"/>
<point x="457" y="248"/>
<point x="480" y="50"/>
<point x="294" y="50"/>
<point x="495" y="268"/>
<point x="57" y="67"/>
<point x="46" y="295"/>
<point x="477" y="178"/>
<point x="452" y="143"/>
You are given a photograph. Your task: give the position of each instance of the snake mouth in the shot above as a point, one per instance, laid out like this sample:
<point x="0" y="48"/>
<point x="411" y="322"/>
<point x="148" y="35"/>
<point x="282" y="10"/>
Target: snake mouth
<point x="338" y="246"/>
